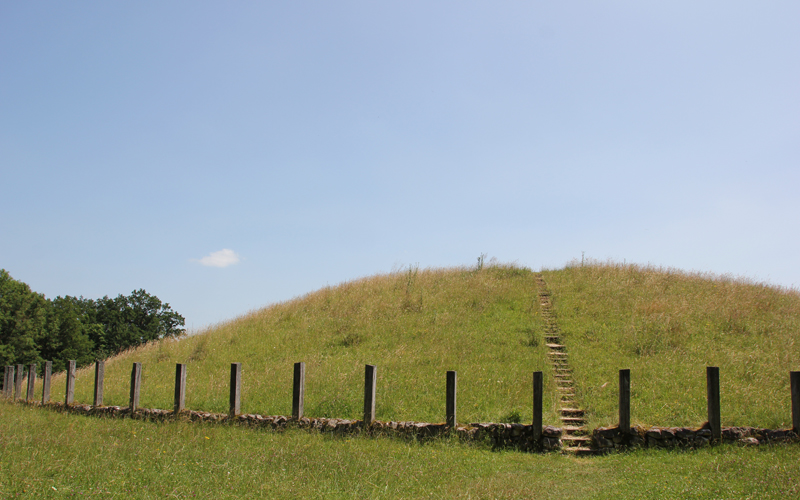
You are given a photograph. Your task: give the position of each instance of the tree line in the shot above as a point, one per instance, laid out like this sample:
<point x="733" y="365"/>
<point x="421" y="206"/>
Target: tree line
<point x="34" y="329"/>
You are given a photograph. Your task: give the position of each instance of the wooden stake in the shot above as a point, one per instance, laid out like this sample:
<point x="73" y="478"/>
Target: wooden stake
<point x="180" y="387"/>
<point x="99" y="372"/>
<point x="298" y="390"/>
<point x="236" y="388"/>
<point x="136" y="384"/>
<point x="48" y="371"/>
<point x="370" y="378"/>
<point x="70" y="396"/>
<point x="31" y="381"/>
<point x="8" y="382"/>
<point x="712" y="383"/>
<point x="450" y="405"/>
<point x="794" y="379"/>
<point x="18" y="382"/>
<point x="625" y="401"/>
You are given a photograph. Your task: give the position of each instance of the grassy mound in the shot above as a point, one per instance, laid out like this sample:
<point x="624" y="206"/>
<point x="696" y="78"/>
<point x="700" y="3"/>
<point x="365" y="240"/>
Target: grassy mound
<point x="414" y="325"/>
<point x="666" y="327"/>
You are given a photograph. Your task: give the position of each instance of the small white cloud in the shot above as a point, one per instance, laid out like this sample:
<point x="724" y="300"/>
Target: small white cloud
<point x="223" y="258"/>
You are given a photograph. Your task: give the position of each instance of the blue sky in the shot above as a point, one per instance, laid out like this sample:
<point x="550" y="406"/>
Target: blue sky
<point x="225" y="156"/>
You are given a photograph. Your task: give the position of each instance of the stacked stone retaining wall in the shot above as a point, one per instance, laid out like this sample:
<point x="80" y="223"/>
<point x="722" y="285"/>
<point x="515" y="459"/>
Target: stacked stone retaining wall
<point x="498" y="435"/>
<point x="613" y="438"/>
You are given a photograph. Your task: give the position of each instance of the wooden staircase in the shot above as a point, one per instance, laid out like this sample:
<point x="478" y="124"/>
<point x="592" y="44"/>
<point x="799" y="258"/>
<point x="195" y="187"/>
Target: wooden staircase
<point x="575" y="437"/>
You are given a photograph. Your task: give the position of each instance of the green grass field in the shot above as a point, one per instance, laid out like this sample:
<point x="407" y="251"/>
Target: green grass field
<point x="52" y="455"/>
<point x="666" y="326"/>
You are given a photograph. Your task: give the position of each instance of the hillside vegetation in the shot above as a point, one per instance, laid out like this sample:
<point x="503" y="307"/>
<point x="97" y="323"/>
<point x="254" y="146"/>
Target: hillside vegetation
<point x="414" y="325"/>
<point x="665" y="325"/>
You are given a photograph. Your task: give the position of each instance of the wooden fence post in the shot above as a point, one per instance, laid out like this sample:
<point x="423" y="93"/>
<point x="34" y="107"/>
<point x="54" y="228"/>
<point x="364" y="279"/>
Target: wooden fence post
<point x="31" y="381"/>
<point x="180" y="387"/>
<point x="136" y="383"/>
<point x="370" y="378"/>
<point x="714" y="421"/>
<point x="8" y="382"/>
<point x="298" y="390"/>
<point x="70" y="396"/>
<point x="537" y="407"/>
<point x="450" y="405"/>
<point x="794" y="378"/>
<point x="48" y="371"/>
<point x="99" y="372"/>
<point x="18" y="381"/>
<point x="236" y="388"/>
<point x="625" y="401"/>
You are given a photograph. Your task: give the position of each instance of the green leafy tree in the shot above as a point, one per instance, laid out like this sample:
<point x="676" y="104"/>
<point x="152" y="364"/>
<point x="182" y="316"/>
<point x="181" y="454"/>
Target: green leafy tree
<point x="135" y="319"/>
<point x="69" y="334"/>
<point x="33" y="328"/>
<point x="23" y="321"/>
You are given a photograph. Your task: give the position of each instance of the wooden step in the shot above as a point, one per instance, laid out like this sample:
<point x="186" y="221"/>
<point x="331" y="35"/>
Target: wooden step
<point x="555" y="346"/>
<point x="573" y="420"/>
<point x="577" y="439"/>
<point x="583" y="451"/>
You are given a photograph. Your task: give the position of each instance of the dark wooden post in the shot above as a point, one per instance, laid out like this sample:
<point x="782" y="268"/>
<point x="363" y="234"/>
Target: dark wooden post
<point x="48" y="371"/>
<point x="136" y="383"/>
<point x="625" y="401"/>
<point x="99" y="371"/>
<point x="236" y="388"/>
<point x="31" y="381"/>
<point x="794" y="378"/>
<point x="70" y="397"/>
<point x="714" y="421"/>
<point x="450" y="405"/>
<point x="180" y="387"/>
<point x="537" y="407"/>
<point x="298" y="390"/>
<point x="8" y="382"/>
<point x="18" y="381"/>
<point x="370" y="377"/>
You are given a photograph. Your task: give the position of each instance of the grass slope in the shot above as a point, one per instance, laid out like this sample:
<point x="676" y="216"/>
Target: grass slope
<point x="666" y="327"/>
<point x="414" y="325"/>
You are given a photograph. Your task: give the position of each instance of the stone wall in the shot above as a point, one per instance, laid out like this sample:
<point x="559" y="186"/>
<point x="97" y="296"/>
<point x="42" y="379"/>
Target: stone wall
<point x="614" y="438"/>
<point x="516" y="436"/>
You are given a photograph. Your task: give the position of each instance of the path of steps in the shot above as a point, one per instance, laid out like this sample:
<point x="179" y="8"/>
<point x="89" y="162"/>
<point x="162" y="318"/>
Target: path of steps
<point x="575" y="438"/>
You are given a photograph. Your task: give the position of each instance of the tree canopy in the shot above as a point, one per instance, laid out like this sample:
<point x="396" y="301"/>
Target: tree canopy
<point x="34" y="329"/>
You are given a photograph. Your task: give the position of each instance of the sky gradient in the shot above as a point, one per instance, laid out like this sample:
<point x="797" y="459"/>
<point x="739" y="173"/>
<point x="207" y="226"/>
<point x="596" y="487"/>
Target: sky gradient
<point x="225" y="157"/>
